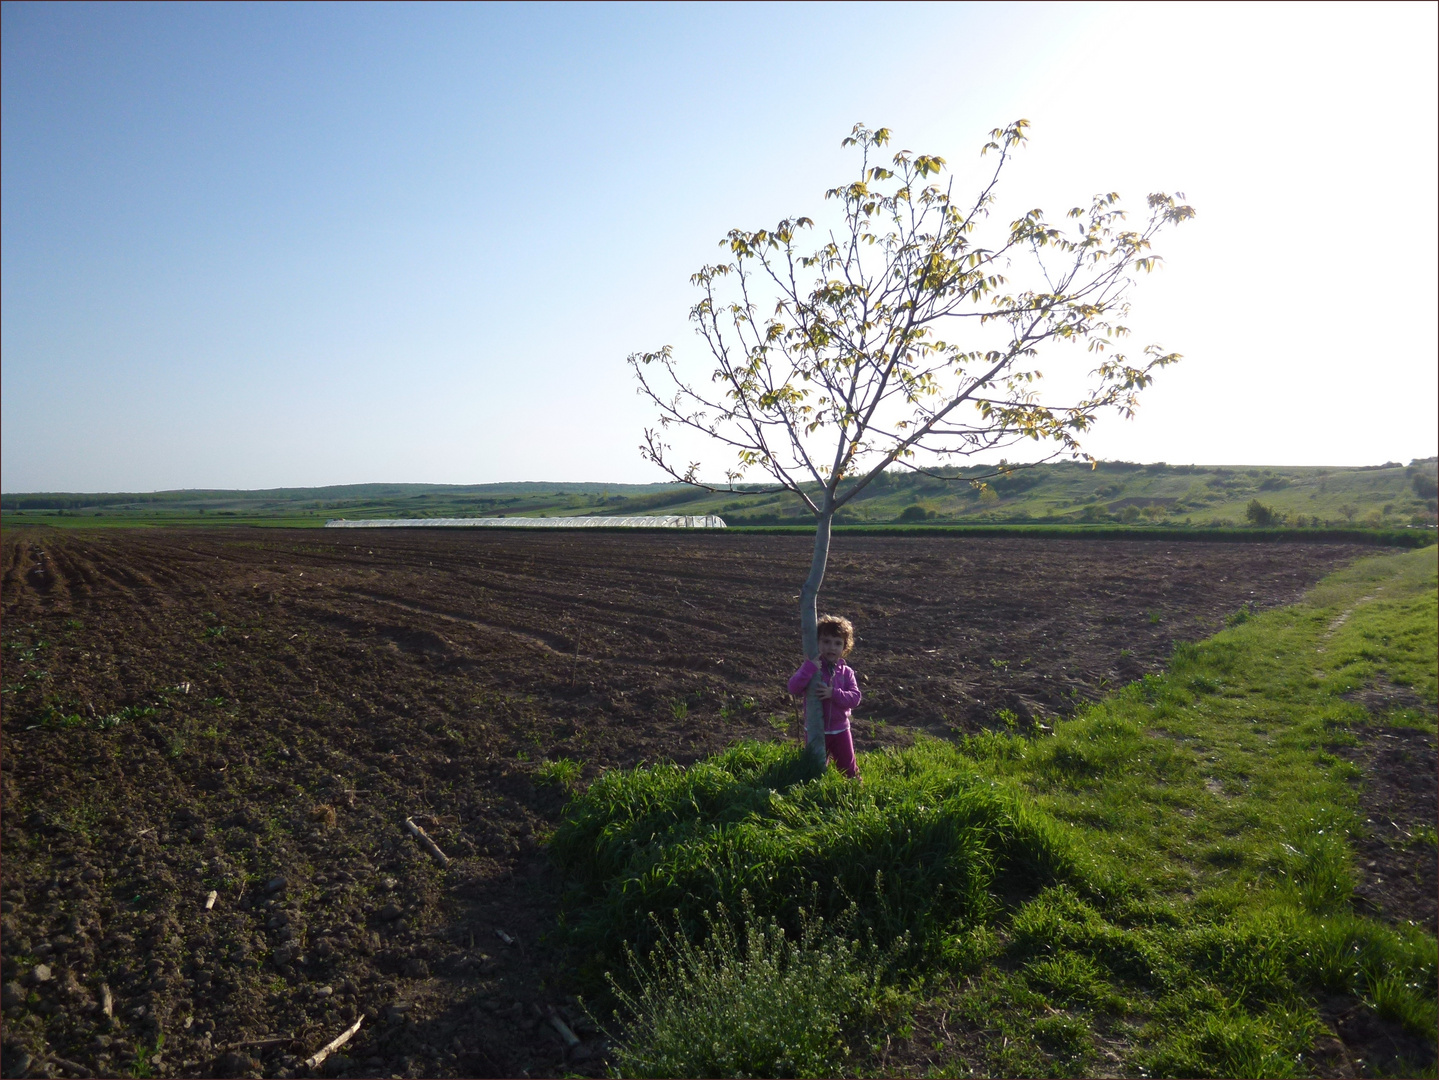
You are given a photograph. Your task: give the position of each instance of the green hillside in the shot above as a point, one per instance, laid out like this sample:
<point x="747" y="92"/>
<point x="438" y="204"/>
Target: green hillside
<point x="1389" y="495"/>
<point x="1116" y="491"/>
<point x="314" y="506"/>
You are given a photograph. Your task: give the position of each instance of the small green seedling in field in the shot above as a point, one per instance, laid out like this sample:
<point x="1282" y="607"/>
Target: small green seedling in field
<point x="55" y="720"/>
<point x="729" y="711"/>
<point x="143" y="1055"/>
<point x="127" y="714"/>
<point x="680" y="709"/>
<point x="564" y="772"/>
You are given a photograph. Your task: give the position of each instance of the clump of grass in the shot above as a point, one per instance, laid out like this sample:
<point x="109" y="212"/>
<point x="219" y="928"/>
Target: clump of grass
<point x="923" y="846"/>
<point x="563" y="772"/>
<point x="746" y="1001"/>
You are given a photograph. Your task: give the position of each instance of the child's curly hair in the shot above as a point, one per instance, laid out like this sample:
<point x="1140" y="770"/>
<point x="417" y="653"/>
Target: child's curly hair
<point x="837" y="626"/>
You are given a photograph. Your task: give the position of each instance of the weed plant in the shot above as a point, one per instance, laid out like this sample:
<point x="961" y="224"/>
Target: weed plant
<point x="564" y="772"/>
<point x="748" y="1000"/>
<point x="1162" y="885"/>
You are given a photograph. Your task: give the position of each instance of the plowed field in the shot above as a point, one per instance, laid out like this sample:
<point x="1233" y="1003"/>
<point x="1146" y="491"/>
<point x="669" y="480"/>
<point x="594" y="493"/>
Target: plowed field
<point x="255" y="713"/>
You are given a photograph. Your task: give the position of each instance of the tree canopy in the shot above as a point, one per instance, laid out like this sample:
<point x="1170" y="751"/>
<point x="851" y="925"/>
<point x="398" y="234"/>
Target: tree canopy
<point x="908" y="333"/>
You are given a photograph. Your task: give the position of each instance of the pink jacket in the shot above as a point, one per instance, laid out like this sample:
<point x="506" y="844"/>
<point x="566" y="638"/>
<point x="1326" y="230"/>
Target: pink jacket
<point x="845" y="696"/>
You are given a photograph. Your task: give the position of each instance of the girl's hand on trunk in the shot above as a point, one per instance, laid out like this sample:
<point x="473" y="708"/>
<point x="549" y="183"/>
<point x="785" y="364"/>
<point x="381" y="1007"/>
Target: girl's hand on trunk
<point x="825" y="691"/>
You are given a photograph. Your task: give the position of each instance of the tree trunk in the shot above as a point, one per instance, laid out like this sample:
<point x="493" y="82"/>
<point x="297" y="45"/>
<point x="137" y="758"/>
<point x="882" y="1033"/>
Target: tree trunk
<point x="809" y="639"/>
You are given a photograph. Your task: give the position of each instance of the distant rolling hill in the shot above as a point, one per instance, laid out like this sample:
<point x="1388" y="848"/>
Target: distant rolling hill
<point x="1115" y="492"/>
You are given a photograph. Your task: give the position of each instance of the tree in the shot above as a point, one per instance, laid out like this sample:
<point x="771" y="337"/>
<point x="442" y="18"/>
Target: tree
<point x="1260" y="515"/>
<point x="900" y="340"/>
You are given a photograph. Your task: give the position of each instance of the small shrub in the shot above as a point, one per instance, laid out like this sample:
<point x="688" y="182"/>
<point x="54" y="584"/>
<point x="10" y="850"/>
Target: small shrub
<point x="1262" y="516"/>
<point x="745" y="1002"/>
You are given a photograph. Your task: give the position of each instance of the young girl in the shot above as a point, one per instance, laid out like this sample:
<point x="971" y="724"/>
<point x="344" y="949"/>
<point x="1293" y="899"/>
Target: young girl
<point x="838" y="689"/>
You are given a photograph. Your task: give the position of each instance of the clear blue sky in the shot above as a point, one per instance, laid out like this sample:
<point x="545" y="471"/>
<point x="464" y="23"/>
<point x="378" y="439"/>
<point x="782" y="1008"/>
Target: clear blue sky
<point x="253" y="246"/>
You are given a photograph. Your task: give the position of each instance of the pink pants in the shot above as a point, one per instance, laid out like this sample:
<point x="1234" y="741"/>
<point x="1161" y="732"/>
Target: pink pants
<point x="840" y="748"/>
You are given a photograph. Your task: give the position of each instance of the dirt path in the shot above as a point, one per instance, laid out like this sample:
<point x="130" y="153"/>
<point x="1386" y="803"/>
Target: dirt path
<point x="215" y="710"/>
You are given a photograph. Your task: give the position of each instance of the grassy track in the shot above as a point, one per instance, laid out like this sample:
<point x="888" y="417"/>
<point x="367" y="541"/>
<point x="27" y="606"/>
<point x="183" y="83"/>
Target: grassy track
<point x="1159" y="886"/>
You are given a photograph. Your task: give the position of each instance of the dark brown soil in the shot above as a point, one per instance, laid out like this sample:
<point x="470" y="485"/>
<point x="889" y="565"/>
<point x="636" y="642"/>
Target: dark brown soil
<point x="255" y="713"/>
<point x="1397" y="861"/>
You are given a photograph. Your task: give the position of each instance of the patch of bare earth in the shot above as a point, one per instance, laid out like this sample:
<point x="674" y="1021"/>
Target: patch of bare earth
<point x="1396" y="870"/>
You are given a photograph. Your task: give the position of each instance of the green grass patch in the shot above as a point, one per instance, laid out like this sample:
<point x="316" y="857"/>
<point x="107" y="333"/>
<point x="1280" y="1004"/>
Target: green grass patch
<point x="1160" y="886"/>
<point x="563" y="772"/>
<point x="925" y="845"/>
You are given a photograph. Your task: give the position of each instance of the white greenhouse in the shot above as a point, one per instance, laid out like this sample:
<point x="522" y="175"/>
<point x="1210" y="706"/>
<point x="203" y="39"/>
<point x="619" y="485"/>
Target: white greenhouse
<point x="706" y="521"/>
